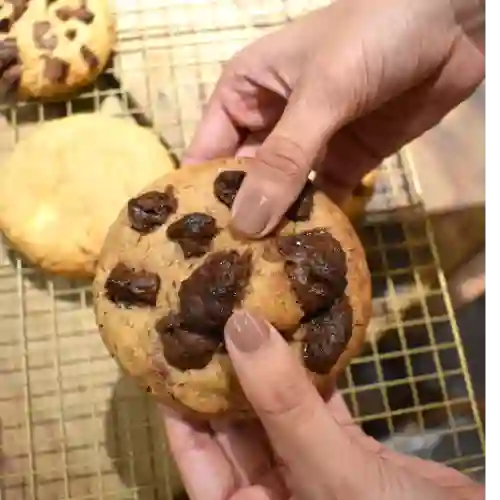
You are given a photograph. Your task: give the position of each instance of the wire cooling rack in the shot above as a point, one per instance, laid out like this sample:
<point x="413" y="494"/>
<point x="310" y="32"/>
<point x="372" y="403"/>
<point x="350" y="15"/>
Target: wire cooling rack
<point x="72" y="426"/>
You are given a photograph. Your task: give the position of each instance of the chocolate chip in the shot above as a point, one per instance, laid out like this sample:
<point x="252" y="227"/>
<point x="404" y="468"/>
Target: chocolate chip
<point x="183" y="349"/>
<point x="70" y="34"/>
<point x="226" y="186"/>
<point x="18" y="9"/>
<point x="194" y="233"/>
<point x="128" y="287"/>
<point x="208" y="297"/>
<point x="301" y="209"/>
<point x="40" y="38"/>
<point x="56" y="70"/>
<point x="150" y="210"/>
<point x="5" y="24"/>
<point x="79" y="13"/>
<point x="326" y="337"/>
<point x="316" y="266"/>
<point x="89" y="57"/>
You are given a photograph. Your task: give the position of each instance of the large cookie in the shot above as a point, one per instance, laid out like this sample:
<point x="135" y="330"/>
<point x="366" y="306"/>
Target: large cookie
<point x="171" y="273"/>
<point x="49" y="48"/>
<point x="64" y="185"/>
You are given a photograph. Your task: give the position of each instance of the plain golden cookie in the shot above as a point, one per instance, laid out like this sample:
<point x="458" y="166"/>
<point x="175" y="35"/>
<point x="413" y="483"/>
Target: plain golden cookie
<point x="49" y="48"/>
<point x="63" y="186"/>
<point x="171" y="273"/>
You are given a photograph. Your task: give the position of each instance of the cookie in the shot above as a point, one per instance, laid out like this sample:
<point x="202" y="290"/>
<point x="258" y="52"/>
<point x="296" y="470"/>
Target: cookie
<point x="63" y="186"/>
<point x="354" y="206"/>
<point x="171" y="272"/>
<point x="49" y="48"/>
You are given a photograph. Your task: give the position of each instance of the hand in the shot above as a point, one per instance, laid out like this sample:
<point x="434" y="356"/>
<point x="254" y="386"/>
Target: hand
<point x="338" y="90"/>
<point x="302" y="448"/>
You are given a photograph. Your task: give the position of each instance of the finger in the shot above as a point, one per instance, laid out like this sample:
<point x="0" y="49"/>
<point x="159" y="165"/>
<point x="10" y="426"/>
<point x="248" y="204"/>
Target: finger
<point x="217" y="135"/>
<point x="260" y="492"/>
<point x="362" y="146"/>
<point x="282" y="164"/>
<point x="206" y="473"/>
<point x="301" y="430"/>
<point x="246" y="447"/>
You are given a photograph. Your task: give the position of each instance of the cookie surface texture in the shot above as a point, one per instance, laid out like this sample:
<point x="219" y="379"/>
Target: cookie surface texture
<point x="171" y="273"/>
<point x="50" y="48"/>
<point x="64" y="185"/>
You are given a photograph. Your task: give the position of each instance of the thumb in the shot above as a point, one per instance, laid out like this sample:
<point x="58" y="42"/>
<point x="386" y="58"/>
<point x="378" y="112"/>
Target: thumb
<point x="281" y="166"/>
<point x="301" y="430"/>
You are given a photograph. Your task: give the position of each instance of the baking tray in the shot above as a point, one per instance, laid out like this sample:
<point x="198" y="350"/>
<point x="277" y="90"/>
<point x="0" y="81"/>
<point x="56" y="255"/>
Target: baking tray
<point x="73" y="426"/>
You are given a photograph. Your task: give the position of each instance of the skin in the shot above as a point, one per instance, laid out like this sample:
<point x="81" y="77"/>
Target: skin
<point x="336" y="92"/>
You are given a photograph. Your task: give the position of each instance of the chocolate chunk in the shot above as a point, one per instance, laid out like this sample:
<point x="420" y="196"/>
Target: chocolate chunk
<point x="9" y="54"/>
<point x="301" y="209"/>
<point x="79" y="13"/>
<point x="5" y="24"/>
<point x="128" y="287"/>
<point x="183" y="349"/>
<point x="89" y="57"/>
<point x="70" y="34"/>
<point x="56" y="70"/>
<point x="326" y="337"/>
<point x="194" y="233"/>
<point x="150" y="210"/>
<point x="214" y="289"/>
<point x="316" y="266"/>
<point x="40" y="38"/>
<point x="226" y="186"/>
<point x="9" y="81"/>
<point x="10" y="67"/>
<point x="18" y="9"/>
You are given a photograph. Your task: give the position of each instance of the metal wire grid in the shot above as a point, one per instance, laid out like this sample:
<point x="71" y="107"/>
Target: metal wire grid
<point x="72" y="425"/>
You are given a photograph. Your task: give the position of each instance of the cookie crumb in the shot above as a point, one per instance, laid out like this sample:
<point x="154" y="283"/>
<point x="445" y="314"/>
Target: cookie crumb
<point x="226" y="186"/>
<point x="316" y="266"/>
<point x="128" y="287"/>
<point x="326" y="337"/>
<point x="194" y="233"/>
<point x="150" y="210"/>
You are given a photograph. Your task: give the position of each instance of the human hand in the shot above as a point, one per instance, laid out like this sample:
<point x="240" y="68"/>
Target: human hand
<point x="302" y="448"/>
<point x="338" y="90"/>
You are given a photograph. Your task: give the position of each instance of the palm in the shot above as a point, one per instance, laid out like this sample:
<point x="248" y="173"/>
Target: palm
<point x="248" y="102"/>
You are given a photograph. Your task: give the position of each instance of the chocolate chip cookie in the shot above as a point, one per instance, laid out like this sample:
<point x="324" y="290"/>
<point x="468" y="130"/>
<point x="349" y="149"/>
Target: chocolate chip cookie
<point x="50" y="48"/>
<point x="172" y="272"/>
<point x="63" y="186"/>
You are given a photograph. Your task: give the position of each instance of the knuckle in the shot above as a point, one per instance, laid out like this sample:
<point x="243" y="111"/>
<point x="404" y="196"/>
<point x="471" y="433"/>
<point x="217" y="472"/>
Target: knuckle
<point x="285" y="156"/>
<point x="288" y="399"/>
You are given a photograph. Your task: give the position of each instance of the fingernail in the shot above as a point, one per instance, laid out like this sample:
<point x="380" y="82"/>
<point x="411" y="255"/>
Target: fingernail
<point x="246" y="332"/>
<point x="252" y="208"/>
